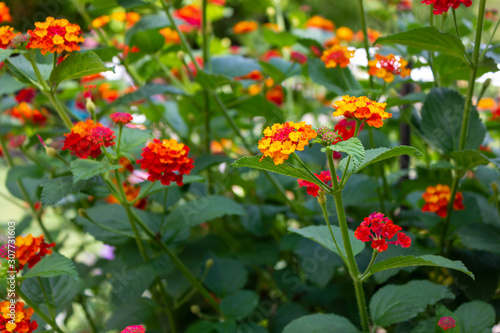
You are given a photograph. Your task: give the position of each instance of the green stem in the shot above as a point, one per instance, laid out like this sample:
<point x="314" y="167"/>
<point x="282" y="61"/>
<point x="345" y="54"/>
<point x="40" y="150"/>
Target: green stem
<point x="344" y="178"/>
<point x="431" y="53"/>
<point x="363" y="310"/>
<point x="51" y="314"/>
<point x="365" y="34"/>
<point x="324" y="187"/>
<point x="449" y="211"/>
<point x="483" y="54"/>
<point x="87" y="315"/>
<point x="455" y="22"/>
<point x="119" y="140"/>
<point x="367" y="270"/>
<point x="39" y="312"/>
<point x="168" y="305"/>
<point x="322" y="203"/>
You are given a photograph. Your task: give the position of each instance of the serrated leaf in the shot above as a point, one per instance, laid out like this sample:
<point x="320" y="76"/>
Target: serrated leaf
<point x="5" y="53"/>
<point x="468" y="159"/>
<point x="425" y="260"/>
<point x="85" y="169"/>
<point x="321" y="323"/>
<point x="239" y="305"/>
<point x="427" y="38"/>
<point x="475" y="317"/>
<point x="321" y="235"/>
<point x="53" y="265"/>
<point x="211" y="80"/>
<point x="267" y="164"/>
<point x="441" y="123"/>
<point x="78" y="65"/>
<point x="143" y="92"/>
<point x="353" y="147"/>
<point x="480" y="236"/>
<point x="396" y="303"/>
<point x="379" y="154"/>
<point x="133" y="138"/>
<point x="202" y="210"/>
<point x="55" y="189"/>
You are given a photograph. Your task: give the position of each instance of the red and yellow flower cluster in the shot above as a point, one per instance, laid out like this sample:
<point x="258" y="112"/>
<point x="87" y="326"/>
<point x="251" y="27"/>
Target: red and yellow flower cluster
<point x="171" y="36"/>
<point x="23" y="322"/>
<point x="4" y="13"/>
<point x="313" y="189"/>
<point x="337" y="55"/>
<point x="7" y="34"/>
<point x="361" y="108"/>
<point x="55" y="36"/>
<point x="281" y="140"/>
<point x="446" y="323"/>
<point x="87" y="138"/>
<point x="437" y="199"/>
<point x="166" y="161"/>
<point x="130" y="19"/>
<point x="442" y="6"/>
<point x="134" y="329"/>
<point x="320" y="23"/>
<point x="121" y="118"/>
<point x="379" y="230"/>
<point x="386" y="67"/>
<point x="30" y="250"/>
<point x="245" y="27"/>
<point x="26" y="114"/>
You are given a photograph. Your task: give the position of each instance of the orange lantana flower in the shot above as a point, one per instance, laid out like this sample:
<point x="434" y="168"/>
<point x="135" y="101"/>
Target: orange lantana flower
<point x="55" y="36"/>
<point x="386" y="67"/>
<point x="100" y="21"/>
<point x="7" y="34"/>
<point x="245" y="27"/>
<point x="373" y="35"/>
<point x="131" y="192"/>
<point x="361" y="108"/>
<point x="320" y="22"/>
<point x="281" y="140"/>
<point x="191" y="14"/>
<point x="437" y="199"/>
<point x="344" y="33"/>
<point x="23" y="322"/>
<point x="337" y="56"/>
<point x="4" y="13"/>
<point x="87" y="138"/>
<point x="25" y="113"/>
<point x="30" y="250"/>
<point x="171" y="36"/>
<point x="132" y="18"/>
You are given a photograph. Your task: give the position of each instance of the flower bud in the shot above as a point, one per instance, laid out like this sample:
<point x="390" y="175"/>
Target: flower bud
<point x="82" y="213"/>
<point x="51" y="152"/>
<point x="90" y="106"/>
<point x="270" y="11"/>
<point x="487" y="83"/>
<point x="209" y="263"/>
<point x="180" y="55"/>
<point x="195" y="309"/>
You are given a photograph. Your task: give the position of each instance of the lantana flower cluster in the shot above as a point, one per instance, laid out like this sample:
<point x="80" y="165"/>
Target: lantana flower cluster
<point x="23" y="322"/>
<point x="361" y="108"/>
<point x="386" y="67"/>
<point x="87" y="138"/>
<point x="378" y="229"/>
<point x="26" y="114"/>
<point x="7" y="34"/>
<point x="281" y="140"/>
<point x="55" y="36"/>
<point x="337" y="55"/>
<point x="312" y="188"/>
<point x="442" y="6"/>
<point x="437" y="199"/>
<point x="30" y="250"/>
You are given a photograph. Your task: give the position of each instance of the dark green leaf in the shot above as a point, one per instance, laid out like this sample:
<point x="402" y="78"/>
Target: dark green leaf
<point x="279" y="39"/>
<point x="468" y="159"/>
<point x="85" y="169"/>
<point x="338" y="80"/>
<point x="429" y="39"/>
<point x="321" y="323"/>
<point x="405" y="100"/>
<point x="210" y="80"/>
<point x="144" y="92"/>
<point x="226" y="276"/>
<point x="379" y="154"/>
<point x="480" y="237"/>
<point x="53" y="265"/>
<point x="353" y="147"/>
<point x="239" y="305"/>
<point x="5" y="53"/>
<point x="475" y="317"/>
<point x="396" y="303"/>
<point x="233" y="65"/>
<point x="78" y="65"/>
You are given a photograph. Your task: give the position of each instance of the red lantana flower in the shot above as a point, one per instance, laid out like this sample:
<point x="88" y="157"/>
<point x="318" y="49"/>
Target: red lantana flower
<point x="30" y="250"/>
<point x="134" y="329"/>
<point x="166" y="161"/>
<point x="442" y="6"/>
<point x="446" y="323"/>
<point x="379" y="229"/>
<point x="437" y="199"/>
<point x="311" y="188"/>
<point x="121" y="118"/>
<point x="87" y="138"/>
<point x="22" y="322"/>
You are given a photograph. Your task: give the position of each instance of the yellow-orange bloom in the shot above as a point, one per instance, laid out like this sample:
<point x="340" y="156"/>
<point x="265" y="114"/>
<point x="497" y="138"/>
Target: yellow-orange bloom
<point x="386" y="67"/>
<point x="245" y="27"/>
<point x="486" y="103"/>
<point x="4" y="13"/>
<point x="131" y="193"/>
<point x="337" y="56"/>
<point x="171" y="36"/>
<point x="25" y="113"/>
<point x="344" y="33"/>
<point x="437" y="199"/>
<point x="7" y="34"/>
<point x="100" y="21"/>
<point x="281" y="140"/>
<point x="320" y="22"/>
<point x="373" y="35"/>
<point x="20" y="322"/>
<point x="119" y="16"/>
<point x="132" y="18"/>
<point x="361" y="108"/>
<point x="30" y="250"/>
<point x="55" y="36"/>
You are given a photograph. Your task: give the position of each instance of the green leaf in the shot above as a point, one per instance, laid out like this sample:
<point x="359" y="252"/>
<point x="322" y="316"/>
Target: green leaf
<point x="353" y="147"/>
<point x="24" y="72"/>
<point x="279" y="69"/>
<point x="5" y="53"/>
<point x="133" y="138"/>
<point x="338" y="80"/>
<point x="148" y="41"/>
<point x="451" y="69"/>
<point x="425" y="260"/>
<point x="239" y="305"/>
<point x="53" y="190"/>
<point x="379" y="154"/>
<point x="321" y="323"/>
<point x="78" y="65"/>
<point x="226" y="276"/>
<point x="279" y="39"/>
<point x="396" y="303"/>
<point x="267" y="164"/>
<point x="85" y="169"/>
<point x="468" y="159"/>
<point x="442" y="116"/>
<point x="480" y="236"/>
<point x="158" y="186"/>
<point x="202" y="210"/>
<point x="233" y="65"/>
<point x="207" y="79"/>
<point x="143" y="92"/>
<point x="405" y="100"/>
<point x="475" y="317"/>
<point x="429" y="39"/>
<point x="53" y="265"/>
<point x="321" y="235"/>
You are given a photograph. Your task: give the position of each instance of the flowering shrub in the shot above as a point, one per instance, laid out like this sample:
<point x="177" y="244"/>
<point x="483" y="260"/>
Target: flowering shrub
<point x="249" y="166"/>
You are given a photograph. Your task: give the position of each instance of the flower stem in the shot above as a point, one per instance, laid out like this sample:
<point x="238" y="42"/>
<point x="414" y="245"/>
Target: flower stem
<point x="39" y="312"/>
<point x="365" y="34"/>
<point x="344" y="178"/>
<point x="483" y="54"/>
<point x="449" y="211"/>
<point x="322" y="204"/>
<point x="367" y="270"/>
<point x="119" y="140"/>
<point x="324" y="187"/>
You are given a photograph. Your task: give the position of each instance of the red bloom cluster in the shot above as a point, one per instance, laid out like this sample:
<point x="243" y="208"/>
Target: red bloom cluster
<point x="87" y="138"/>
<point x="437" y="199"/>
<point x="30" y="250"/>
<point x="121" y="118"/>
<point x="23" y="322"/>
<point x="166" y="161"/>
<point x="311" y="188"/>
<point x="442" y="6"/>
<point x="134" y="329"/>
<point x="446" y="323"/>
<point x="379" y="229"/>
